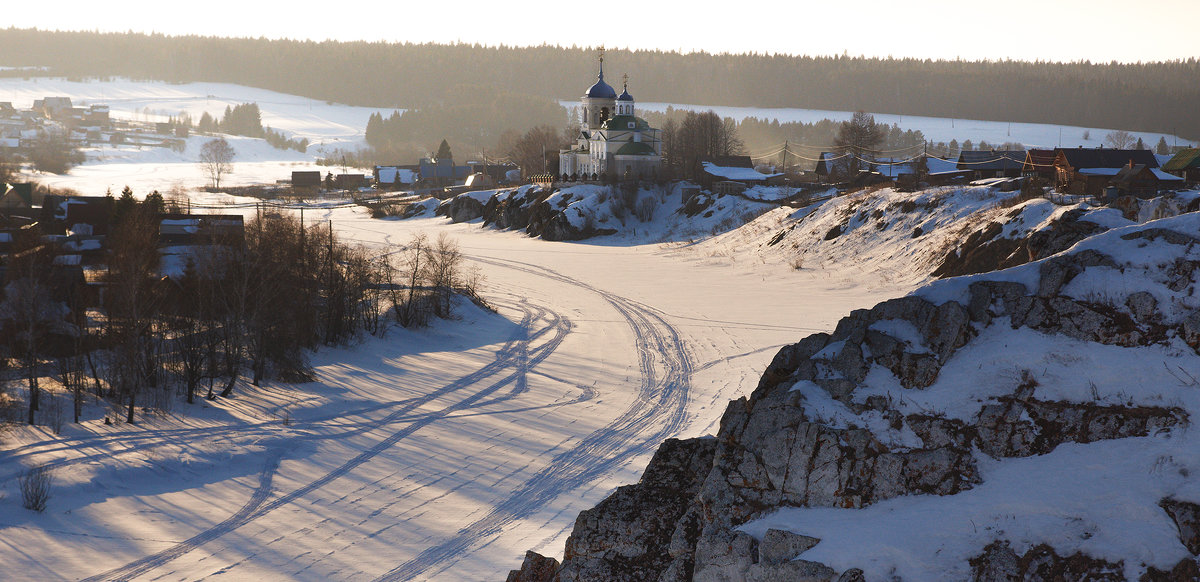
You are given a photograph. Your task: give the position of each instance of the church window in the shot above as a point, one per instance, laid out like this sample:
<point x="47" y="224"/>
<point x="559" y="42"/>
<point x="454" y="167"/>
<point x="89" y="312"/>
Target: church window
<point x="603" y="114"/>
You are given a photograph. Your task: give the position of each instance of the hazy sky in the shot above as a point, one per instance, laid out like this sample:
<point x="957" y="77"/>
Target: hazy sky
<point x="1060" y="30"/>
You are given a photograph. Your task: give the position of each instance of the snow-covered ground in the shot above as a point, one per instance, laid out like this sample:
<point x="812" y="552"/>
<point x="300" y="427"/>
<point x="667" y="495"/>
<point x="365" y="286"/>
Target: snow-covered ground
<point x="442" y="453"/>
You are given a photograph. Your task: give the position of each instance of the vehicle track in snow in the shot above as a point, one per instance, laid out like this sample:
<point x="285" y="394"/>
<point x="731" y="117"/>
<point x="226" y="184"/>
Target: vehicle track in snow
<point x="658" y="412"/>
<point x="511" y="363"/>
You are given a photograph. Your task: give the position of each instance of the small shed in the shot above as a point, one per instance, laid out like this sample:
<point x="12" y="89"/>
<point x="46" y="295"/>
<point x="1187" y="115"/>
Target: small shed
<point x="306" y="181"/>
<point x="350" y="181"/>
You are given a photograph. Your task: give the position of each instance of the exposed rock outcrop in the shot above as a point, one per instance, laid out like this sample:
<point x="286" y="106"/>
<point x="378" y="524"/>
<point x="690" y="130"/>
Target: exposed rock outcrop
<point x="987" y="249"/>
<point x="999" y="563"/>
<point x="1186" y="516"/>
<point x="772" y="450"/>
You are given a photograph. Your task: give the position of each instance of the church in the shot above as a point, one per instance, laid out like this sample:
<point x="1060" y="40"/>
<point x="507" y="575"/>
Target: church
<point x="612" y="138"/>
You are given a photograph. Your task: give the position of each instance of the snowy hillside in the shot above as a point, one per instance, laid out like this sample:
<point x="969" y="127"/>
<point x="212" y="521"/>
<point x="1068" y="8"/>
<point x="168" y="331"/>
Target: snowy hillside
<point x="328" y="126"/>
<point x="1032" y="423"/>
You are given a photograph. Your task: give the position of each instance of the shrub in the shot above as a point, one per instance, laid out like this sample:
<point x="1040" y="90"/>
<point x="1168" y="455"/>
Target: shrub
<point x="645" y="209"/>
<point x="35" y="487"/>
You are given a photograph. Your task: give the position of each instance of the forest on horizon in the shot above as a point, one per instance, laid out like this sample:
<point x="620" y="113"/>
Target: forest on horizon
<point x="492" y="89"/>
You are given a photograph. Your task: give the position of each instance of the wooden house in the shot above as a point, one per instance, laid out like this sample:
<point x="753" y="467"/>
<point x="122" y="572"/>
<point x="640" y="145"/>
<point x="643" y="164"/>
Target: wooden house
<point x="991" y="163"/>
<point x="350" y="181"/>
<point x="1038" y="163"/>
<point x="61" y="213"/>
<point x="1141" y="181"/>
<point x="201" y="229"/>
<point x="1185" y="164"/>
<point x="1089" y="171"/>
<point x="306" y="182"/>
<point x="723" y="170"/>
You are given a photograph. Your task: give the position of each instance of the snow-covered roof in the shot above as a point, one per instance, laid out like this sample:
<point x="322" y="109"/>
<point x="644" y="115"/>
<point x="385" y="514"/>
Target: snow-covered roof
<point x="1099" y="171"/>
<point x="1165" y="176"/>
<point x="388" y="175"/>
<point x="736" y="174"/>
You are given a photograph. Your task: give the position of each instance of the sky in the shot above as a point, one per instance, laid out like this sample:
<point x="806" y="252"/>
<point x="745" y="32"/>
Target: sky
<point x="1054" y="30"/>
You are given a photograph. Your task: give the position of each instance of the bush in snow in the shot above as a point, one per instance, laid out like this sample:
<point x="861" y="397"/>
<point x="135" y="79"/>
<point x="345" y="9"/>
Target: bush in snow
<point x="645" y="209"/>
<point x="35" y="487"/>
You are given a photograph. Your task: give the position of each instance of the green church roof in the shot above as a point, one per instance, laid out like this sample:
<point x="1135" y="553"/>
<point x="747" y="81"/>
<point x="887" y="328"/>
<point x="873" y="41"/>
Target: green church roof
<point x="626" y="122"/>
<point x="635" y="148"/>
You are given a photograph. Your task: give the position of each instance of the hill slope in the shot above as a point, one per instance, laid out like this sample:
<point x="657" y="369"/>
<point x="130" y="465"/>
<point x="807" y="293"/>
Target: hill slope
<point x="1027" y="423"/>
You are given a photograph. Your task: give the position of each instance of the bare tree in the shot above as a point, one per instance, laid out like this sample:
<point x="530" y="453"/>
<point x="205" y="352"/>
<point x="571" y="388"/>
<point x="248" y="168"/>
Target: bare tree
<point x="410" y="311"/>
<point x="216" y="156"/>
<point x="442" y="263"/>
<point x="1120" y="139"/>
<point x="28" y="306"/>
<point x="537" y="150"/>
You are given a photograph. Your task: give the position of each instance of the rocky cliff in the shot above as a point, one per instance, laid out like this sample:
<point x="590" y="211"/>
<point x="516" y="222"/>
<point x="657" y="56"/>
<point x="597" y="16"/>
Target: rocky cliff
<point x="935" y="399"/>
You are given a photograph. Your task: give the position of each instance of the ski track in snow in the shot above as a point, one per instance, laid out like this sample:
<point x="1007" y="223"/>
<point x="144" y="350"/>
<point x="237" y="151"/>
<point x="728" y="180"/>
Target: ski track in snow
<point x="658" y="412"/>
<point x="661" y="398"/>
<point x="516" y="355"/>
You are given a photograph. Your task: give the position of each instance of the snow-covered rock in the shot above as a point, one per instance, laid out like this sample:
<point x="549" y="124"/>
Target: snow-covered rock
<point x="901" y="406"/>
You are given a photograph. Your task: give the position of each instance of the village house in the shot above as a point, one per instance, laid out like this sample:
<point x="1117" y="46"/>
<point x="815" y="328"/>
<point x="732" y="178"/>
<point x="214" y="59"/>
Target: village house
<point x="1185" y="164"/>
<point x="991" y="163"/>
<point x="1088" y="171"/>
<point x="1141" y="181"/>
<point x="1039" y="163"/>
<point x="733" y="174"/>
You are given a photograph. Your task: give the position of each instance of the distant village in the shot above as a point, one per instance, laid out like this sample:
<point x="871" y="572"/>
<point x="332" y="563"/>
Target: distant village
<point x="83" y="126"/>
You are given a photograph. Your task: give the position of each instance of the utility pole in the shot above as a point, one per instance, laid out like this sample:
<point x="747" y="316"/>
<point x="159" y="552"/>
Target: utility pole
<point x="785" y="149"/>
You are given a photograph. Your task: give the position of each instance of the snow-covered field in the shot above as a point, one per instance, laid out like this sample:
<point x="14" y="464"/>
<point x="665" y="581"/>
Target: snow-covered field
<point x="442" y="453"/>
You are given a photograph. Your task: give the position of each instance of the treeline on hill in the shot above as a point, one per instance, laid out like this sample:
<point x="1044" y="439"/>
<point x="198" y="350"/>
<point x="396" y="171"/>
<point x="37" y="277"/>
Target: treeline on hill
<point x="242" y="119"/>
<point x="476" y="118"/>
<point x="251" y="306"/>
<point x="1157" y="97"/>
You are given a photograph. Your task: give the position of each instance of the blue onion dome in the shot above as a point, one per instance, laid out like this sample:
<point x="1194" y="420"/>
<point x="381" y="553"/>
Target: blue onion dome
<point x="601" y="90"/>
<point x="625" y="96"/>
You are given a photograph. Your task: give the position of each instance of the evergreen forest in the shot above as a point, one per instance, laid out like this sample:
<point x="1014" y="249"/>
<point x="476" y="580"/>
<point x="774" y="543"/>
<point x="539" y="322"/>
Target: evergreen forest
<point x="488" y="90"/>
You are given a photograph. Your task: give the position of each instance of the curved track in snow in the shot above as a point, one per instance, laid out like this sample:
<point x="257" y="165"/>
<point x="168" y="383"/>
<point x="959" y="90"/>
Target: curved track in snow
<point x="511" y="364"/>
<point x="659" y="412"/>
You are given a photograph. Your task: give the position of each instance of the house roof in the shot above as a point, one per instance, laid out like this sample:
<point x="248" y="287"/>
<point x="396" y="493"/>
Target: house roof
<point x="990" y="160"/>
<point x="625" y="122"/>
<point x="1185" y="159"/>
<point x="737" y="174"/>
<point x="1038" y="159"/>
<point x="1105" y="158"/>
